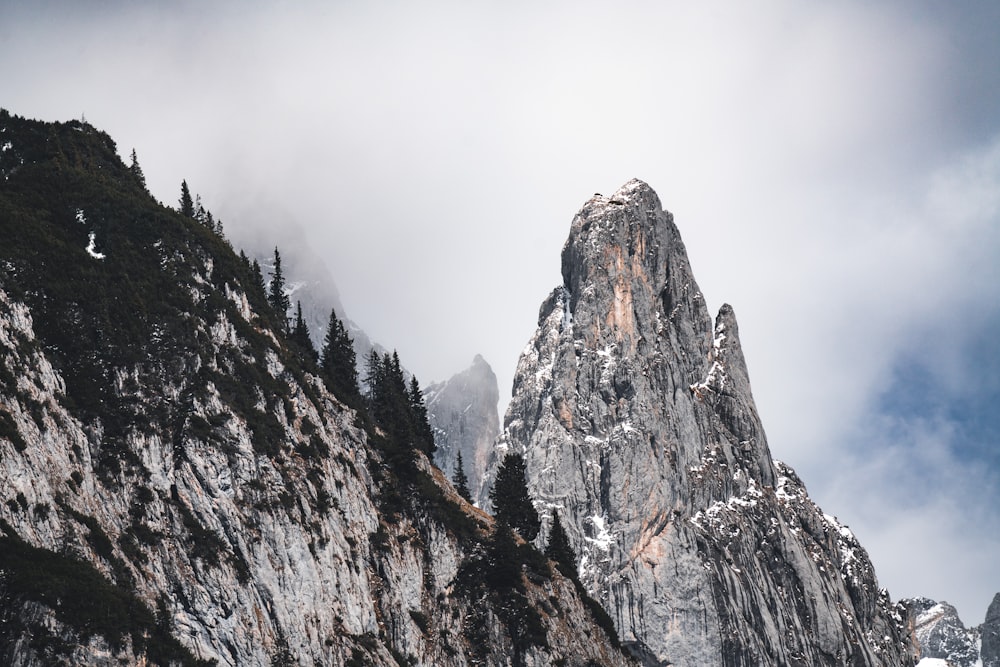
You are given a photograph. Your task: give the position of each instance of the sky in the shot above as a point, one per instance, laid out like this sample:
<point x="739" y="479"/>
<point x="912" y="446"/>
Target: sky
<point x="834" y="170"/>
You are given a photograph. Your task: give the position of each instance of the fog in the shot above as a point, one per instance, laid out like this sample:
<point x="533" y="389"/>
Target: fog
<point x="834" y="171"/>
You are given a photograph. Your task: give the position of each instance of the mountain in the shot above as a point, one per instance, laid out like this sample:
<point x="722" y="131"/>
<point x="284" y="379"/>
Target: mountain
<point x="179" y="486"/>
<point x="941" y="635"/>
<point x="463" y="413"/>
<point x="634" y="415"/>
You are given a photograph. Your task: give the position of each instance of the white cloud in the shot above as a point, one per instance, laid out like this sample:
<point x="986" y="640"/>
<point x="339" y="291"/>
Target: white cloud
<point x="816" y="158"/>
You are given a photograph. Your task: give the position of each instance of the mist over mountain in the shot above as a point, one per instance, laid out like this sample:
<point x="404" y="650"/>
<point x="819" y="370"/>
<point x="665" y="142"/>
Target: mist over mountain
<point x="185" y="482"/>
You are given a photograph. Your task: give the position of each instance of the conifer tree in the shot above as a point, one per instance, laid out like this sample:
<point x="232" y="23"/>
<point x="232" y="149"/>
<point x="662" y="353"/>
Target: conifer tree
<point x="373" y="377"/>
<point x="422" y="432"/>
<point x="258" y="279"/>
<point x="504" y="565"/>
<point x="300" y="335"/>
<point x="560" y="550"/>
<point x="338" y="362"/>
<point x="511" y="502"/>
<point x="460" y="480"/>
<point x="187" y="204"/>
<point x="136" y="170"/>
<point x="280" y="303"/>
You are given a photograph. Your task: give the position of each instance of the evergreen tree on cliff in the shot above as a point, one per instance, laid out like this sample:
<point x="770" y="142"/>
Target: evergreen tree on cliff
<point x="559" y="549"/>
<point x="280" y="303"/>
<point x="460" y="480"/>
<point x="186" y="202"/>
<point x="300" y="336"/>
<point x="338" y="362"/>
<point x="511" y="502"/>
<point x="136" y="170"/>
<point x="423" y="434"/>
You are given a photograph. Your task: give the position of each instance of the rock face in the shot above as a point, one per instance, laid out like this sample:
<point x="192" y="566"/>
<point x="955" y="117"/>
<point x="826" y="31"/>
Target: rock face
<point x="178" y="488"/>
<point x="463" y="413"/>
<point x="989" y="633"/>
<point x="941" y="634"/>
<point x="634" y="413"/>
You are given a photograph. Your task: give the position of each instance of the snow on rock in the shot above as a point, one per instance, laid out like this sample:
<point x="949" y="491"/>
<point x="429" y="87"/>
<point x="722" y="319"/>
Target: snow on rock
<point x="92" y="246"/>
<point x="634" y="412"/>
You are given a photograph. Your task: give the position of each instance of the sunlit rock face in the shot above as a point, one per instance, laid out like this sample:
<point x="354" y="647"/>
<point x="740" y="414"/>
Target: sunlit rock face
<point x="634" y="413"/>
<point x="463" y="413"/>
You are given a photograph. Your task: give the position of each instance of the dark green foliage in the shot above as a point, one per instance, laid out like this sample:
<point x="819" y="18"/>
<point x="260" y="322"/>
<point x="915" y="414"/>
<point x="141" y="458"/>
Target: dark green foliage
<point x="338" y="363"/>
<point x="186" y="204"/>
<point x="276" y="297"/>
<point x="399" y="411"/>
<point x="423" y="435"/>
<point x="460" y="480"/>
<point x="135" y="308"/>
<point x="496" y="572"/>
<point x="136" y="170"/>
<point x="84" y="600"/>
<point x="300" y="339"/>
<point x="511" y="502"/>
<point x="503" y="567"/>
<point x="560" y="550"/>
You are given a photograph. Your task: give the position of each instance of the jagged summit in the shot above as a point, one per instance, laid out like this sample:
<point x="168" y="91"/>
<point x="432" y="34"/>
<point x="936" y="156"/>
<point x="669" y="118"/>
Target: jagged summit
<point x="634" y="414"/>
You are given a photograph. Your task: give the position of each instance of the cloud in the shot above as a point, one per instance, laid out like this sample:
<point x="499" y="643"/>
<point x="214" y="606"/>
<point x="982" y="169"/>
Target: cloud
<point x="832" y="168"/>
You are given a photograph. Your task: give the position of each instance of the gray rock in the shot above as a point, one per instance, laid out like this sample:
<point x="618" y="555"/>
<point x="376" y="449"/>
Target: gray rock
<point x="990" y="634"/>
<point x="941" y="634"/>
<point x="463" y="413"/>
<point x="634" y="413"/>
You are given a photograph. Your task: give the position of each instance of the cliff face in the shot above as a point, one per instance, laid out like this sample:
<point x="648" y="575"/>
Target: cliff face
<point x="941" y="634"/>
<point x="989" y="633"/>
<point x="463" y="413"/>
<point x="179" y="488"/>
<point x="634" y="413"/>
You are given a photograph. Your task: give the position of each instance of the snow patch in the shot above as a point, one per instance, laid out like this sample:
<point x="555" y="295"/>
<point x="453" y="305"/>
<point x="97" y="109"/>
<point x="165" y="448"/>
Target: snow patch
<point x="92" y="246"/>
<point x="6" y="147"/>
<point x="602" y="538"/>
<point x="80" y="217"/>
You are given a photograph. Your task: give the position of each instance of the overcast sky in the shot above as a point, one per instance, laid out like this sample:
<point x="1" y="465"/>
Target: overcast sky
<point x="834" y="169"/>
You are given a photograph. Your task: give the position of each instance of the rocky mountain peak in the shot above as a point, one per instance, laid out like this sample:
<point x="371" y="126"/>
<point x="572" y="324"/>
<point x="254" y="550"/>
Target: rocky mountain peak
<point x="463" y="414"/>
<point x="634" y="414"/>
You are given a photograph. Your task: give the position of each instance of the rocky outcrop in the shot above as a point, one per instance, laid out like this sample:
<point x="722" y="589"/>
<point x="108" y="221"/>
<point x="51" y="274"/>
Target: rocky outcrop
<point x="634" y="414"/>
<point x="989" y="633"/>
<point x="941" y="634"/>
<point x="176" y="487"/>
<point x="463" y="413"/>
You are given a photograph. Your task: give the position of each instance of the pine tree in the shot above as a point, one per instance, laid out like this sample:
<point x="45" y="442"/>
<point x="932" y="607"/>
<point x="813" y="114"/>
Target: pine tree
<point x="187" y="204"/>
<point x="373" y="377"/>
<point x="280" y="303"/>
<point x="511" y="502"/>
<point x="300" y="335"/>
<point x="338" y="362"/>
<point x="136" y="170"/>
<point x="258" y="278"/>
<point x="560" y="550"/>
<point x="423" y="434"/>
<point x="504" y="565"/>
<point x="460" y="480"/>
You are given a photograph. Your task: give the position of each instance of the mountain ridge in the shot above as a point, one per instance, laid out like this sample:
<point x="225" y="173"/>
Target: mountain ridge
<point x="179" y="485"/>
